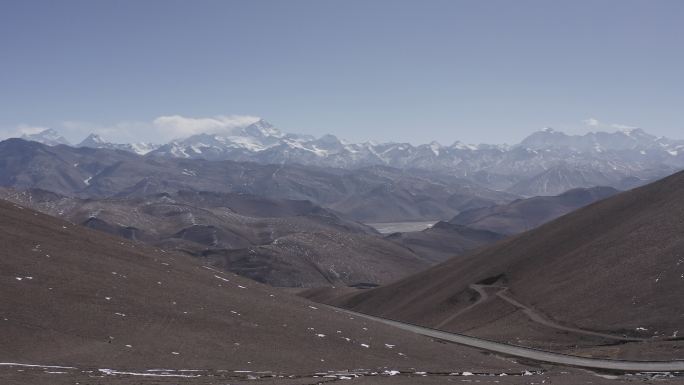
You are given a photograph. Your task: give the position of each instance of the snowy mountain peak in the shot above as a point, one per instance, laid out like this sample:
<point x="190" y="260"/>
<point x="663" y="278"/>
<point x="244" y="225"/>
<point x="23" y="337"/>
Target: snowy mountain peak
<point x="596" y="142"/>
<point x="92" y="140"/>
<point x="638" y="134"/>
<point x="49" y="137"/>
<point x="458" y="145"/>
<point x="261" y="129"/>
<point x="96" y="141"/>
<point x="328" y="138"/>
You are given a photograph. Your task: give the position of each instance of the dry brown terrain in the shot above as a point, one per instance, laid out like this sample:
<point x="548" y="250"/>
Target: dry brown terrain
<point x="276" y="241"/>
<point x="610" y="272"/>
<point x="103" y="307"/>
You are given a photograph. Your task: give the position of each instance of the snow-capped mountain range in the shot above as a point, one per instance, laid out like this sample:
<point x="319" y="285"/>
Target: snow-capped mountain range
<point x="96" y="141"/>
<point x="264" y="143"/>
<point x="546" y="162"/>
<point x="52" y="138"/>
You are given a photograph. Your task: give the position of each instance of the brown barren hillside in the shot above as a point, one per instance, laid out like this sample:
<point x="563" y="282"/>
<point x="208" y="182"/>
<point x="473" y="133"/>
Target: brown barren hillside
<point x="107" y="310"/>
<point x="279" y="242"/>
<point x="605" y="274"/>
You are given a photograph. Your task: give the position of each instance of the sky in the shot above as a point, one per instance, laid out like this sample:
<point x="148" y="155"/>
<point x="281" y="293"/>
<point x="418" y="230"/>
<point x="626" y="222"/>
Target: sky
<point x="477" y="71"/>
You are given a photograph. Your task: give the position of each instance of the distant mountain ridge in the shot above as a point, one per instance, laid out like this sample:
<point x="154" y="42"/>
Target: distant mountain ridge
<point x="52" y="137"/>
<point x="525" y="214"/>
<point x="406" y="195"/>
<point x="547" y="162"/>
<point x="96" y="141"/>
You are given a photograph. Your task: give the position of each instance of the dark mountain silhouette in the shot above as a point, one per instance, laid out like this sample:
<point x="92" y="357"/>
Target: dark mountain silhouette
<point x="444" y="240"/>
<point x="526" y="214"/>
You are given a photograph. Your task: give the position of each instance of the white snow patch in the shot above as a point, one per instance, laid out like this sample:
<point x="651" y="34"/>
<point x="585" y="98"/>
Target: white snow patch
<point x="221" y="278"/>
<point x="35" y="365"/>
<point x="112" y="372"/>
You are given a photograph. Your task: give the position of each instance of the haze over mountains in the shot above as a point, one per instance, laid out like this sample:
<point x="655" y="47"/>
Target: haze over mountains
<point x="547" y="162"/>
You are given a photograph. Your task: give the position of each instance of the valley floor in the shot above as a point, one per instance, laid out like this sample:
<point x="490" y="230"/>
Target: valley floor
<point x="401" y="227"/>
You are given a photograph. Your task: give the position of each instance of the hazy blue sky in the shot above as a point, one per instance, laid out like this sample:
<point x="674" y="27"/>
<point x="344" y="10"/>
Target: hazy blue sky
<point x="478" y="71"/>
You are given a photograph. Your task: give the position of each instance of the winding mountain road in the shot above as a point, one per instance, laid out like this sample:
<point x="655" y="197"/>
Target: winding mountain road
<point x="503" y="293"/>
<point x="542" y="320"/>
<point x="529" y="353"/>
<point x="483" y="296"/>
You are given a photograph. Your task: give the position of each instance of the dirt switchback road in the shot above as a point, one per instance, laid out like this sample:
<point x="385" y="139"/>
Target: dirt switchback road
<point x="503" y="293"/>
<point x="533" y="354"/>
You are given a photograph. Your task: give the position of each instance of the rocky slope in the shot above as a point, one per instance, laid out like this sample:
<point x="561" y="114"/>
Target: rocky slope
<point x="607" y="273"/>
<point x="104" y="310"/>
<point x="279" y="242"/>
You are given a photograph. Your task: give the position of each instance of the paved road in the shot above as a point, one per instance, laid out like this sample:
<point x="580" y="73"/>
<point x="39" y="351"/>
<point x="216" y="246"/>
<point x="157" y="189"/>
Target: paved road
<point x="533" y="354"/>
